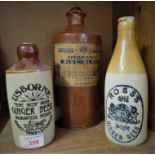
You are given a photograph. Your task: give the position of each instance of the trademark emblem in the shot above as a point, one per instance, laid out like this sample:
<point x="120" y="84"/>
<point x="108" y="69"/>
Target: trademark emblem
<point x="83" y="49"/>
<point x="124" y="113"/>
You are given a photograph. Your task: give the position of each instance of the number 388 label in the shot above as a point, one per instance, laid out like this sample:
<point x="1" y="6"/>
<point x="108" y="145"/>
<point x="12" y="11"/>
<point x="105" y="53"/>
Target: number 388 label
<point x="32" y="141"/>
<point x="124" y="113"/>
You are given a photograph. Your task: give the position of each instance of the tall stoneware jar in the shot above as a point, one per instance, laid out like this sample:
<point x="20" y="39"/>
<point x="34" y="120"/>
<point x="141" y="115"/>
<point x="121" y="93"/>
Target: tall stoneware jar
<point x="77" y="61"/>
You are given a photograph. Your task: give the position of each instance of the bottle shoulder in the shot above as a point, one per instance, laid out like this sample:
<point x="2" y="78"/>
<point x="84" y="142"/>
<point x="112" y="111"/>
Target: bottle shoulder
<point x="74" y="37"/>
<point x="71" y="35"/>
<point x="27" y="66"/>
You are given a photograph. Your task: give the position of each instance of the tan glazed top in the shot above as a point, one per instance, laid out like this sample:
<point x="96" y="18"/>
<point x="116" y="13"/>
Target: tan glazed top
<point x="126" y="57"/>
<point x="27" y="59"/>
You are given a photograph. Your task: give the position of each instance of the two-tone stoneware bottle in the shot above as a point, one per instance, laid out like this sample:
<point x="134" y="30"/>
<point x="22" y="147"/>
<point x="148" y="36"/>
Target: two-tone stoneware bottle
<point x="77" y="56"/>
<point x="126" y="89"/>
<point x="30" y="98"/>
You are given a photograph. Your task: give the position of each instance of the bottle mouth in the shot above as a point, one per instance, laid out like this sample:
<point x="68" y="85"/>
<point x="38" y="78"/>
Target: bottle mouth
<point x="126" y="18"/>
<point x="27" y="43"/>
<point x="75" y="11"/>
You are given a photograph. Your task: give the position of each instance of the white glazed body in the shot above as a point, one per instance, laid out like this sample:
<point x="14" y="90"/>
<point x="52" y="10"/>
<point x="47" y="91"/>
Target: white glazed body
<point x="16" y="79"/>
<point x="139" y="82"/>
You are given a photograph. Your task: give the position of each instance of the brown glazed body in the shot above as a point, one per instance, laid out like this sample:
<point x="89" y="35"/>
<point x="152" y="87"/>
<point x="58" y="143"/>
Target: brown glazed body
<point x="80" y="106"/>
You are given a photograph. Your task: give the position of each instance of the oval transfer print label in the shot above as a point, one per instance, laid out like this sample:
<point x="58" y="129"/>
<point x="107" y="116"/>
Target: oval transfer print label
<point x="124" y="113"/>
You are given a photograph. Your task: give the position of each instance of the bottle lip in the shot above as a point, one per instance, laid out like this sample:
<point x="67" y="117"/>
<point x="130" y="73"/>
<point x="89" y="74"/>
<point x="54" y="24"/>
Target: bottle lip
<point x="126" y="18"/>
<point x="75" y="10"/>
<point x="28" y="43"/>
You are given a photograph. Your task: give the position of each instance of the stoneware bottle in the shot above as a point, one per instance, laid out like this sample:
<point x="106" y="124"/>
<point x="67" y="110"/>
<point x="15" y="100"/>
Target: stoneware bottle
<point x="77" y="54"/>
<point x="30" y="98"/>
<point x="126" y="89"/>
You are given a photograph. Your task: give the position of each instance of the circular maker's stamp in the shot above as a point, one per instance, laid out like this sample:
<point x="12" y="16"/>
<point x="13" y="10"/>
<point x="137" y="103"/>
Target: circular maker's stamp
<point x="124" y="113"/>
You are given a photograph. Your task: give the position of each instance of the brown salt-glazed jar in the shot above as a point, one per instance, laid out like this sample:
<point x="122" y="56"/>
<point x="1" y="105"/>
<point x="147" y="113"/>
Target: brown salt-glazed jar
<point x="77" y="59"/>
<point x="30" y="98"/>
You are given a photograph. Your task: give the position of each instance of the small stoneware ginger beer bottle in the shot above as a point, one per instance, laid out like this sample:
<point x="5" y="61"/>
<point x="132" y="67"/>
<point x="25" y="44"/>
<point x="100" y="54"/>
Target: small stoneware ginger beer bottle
<point x="77" y="54"/>
<point x="126" y="89"/>
<point x="30" y="98"/>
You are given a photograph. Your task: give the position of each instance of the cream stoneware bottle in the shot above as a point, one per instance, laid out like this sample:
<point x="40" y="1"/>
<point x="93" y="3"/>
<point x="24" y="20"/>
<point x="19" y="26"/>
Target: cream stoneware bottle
<point x="30" y="98"/>
<point x="126" y="89"/>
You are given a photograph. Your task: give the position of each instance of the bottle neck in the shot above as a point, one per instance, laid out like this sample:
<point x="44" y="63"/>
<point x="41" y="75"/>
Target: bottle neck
<point x="126" y="35"/>
<point x="126" y="57"/>
<point x="76" y="20"/>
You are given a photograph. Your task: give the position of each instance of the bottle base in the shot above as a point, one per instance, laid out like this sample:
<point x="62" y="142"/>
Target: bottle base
<point x="79" y="126"/>
<point x="127" y="144"/>
<point x="33" y="148"/>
